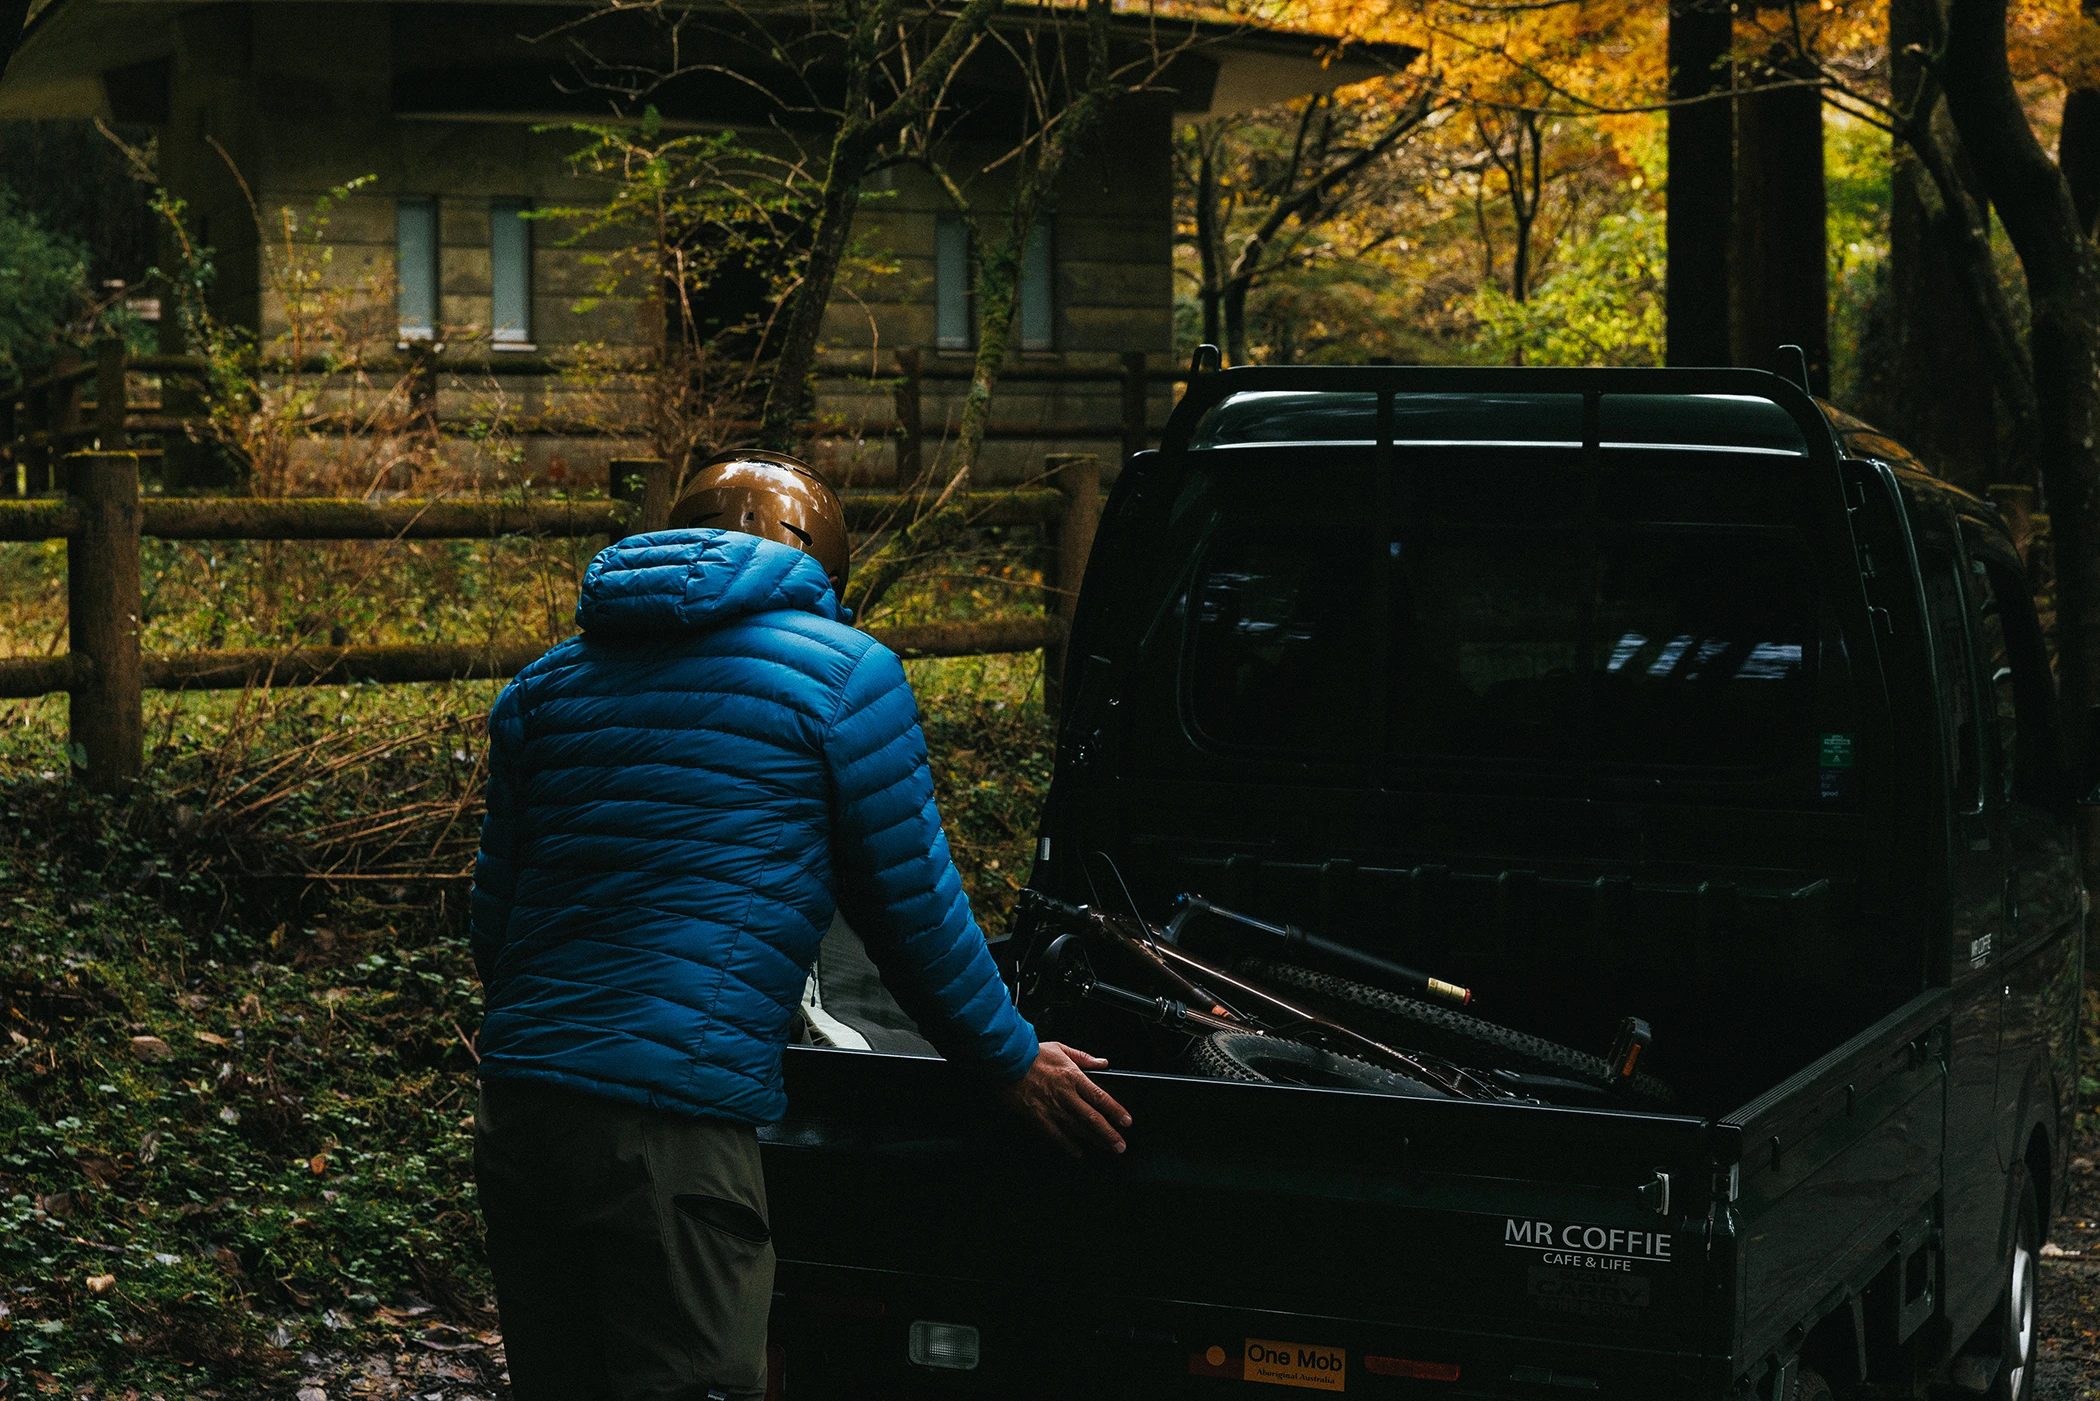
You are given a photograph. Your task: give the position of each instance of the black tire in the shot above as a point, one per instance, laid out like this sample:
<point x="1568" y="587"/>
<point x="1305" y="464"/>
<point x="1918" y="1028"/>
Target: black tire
<point x="1810" y="1386"/>
<point x="1442" y="1032"/>
<point x="2019" y="1311"/>
<point x="1271" y="1060"/>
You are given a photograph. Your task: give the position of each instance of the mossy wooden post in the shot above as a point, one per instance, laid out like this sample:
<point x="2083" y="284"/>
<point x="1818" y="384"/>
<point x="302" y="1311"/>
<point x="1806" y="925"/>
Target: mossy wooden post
<point x="111" y="396"/>
<point x="1077" y="477"/>
<point x="107" y="718"/>
<point x="911" y="422"/>
<point x="645" y="481"/>
<point x="10" y="449"/>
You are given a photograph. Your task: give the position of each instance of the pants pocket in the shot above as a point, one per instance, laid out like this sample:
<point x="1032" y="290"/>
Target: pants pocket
<point x="730" y="1218"/>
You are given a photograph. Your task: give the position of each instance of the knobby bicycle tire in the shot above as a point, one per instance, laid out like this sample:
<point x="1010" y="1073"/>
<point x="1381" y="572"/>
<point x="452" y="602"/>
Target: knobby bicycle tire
<point x="1440" y="1031"/>
<point x="1271" y="1060"/>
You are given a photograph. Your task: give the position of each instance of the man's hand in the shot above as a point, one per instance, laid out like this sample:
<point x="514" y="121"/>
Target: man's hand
<point x="1059" y="1099"/>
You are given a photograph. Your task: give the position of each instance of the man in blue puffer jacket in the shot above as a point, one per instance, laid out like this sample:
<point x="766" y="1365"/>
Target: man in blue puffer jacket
<point x="678" y="800"/>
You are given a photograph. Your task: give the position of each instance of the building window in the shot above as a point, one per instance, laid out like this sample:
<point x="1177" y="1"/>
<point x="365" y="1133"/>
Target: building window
<point x="416" y="266"/>
<point x="1038" y="305"/>
<point x="951" y="284"/>
<point x="510" y="275"/>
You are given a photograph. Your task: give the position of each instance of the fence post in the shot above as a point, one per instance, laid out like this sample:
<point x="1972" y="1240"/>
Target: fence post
<point x="112" y="398"/>
<point x="1134" y="403"/>
<point x="646" y="481"/>
<point x="11" y="482"/>
<point x="911" y="421"/>
<point x="61" y="414"/>
<point x="106" y="715"/>
<point x="1077" y="477"/>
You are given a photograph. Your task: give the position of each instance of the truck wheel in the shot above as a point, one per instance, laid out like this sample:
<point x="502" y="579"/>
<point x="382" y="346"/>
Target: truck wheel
<point x="2020" y="1311"/>
<point x="1271" y="1060"/>
<point x="1810" y="1386"/>
<point x="1449" y="1034"/>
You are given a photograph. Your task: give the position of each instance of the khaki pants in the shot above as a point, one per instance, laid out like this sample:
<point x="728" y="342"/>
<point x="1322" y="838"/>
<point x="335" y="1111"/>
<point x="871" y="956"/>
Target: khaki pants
<point x="631" y="1251"/>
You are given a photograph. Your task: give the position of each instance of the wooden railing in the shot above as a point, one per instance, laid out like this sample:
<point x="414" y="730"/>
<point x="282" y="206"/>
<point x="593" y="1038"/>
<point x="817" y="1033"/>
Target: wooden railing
<point x="103" y="519"/>
<point x="46" y="419"/>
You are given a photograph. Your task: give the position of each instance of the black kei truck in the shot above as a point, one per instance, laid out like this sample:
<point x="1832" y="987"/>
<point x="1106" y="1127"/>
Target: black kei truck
<point x="1678" y="721"/>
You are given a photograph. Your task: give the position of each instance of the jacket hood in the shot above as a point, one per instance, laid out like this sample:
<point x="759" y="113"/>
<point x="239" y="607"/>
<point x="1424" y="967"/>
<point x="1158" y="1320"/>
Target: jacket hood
<point x="691" y="581"/>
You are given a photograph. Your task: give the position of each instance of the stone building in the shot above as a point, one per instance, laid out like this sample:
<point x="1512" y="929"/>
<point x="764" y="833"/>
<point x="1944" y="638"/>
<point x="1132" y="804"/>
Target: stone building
<point x="457" y="119"/>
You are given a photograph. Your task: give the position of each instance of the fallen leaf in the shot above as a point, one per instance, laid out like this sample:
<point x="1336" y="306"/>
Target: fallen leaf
<point x="443" y="1337"/>
<point x="17" y="1037"/>
<point x="149" y="1146"/>
<point x="100" y="1284"/>
<point x="2052" y="1250"/>
<point x="312" y="1393"/>
<point x="100" y="1171"/>
<point x="251" y="1006"/>
<point x="55" y="1203"/>
<point x="150" y="1048"/>
<point x="210" y="1038"/>
<point x="319" y="1163"/>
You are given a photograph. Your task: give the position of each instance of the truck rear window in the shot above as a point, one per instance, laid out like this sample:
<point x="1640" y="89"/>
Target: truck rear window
<point x="1651" y="644"/>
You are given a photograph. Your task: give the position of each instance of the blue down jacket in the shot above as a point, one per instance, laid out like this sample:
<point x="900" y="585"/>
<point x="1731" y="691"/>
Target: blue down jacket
<point x="677" y="799"/>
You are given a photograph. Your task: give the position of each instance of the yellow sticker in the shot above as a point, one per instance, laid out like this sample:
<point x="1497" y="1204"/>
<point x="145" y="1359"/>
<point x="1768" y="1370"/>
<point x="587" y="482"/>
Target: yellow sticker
<point x="1294" y="1364"/>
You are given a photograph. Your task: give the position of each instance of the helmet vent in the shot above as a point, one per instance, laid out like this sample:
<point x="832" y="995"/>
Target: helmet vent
<point x="799" y="533"/>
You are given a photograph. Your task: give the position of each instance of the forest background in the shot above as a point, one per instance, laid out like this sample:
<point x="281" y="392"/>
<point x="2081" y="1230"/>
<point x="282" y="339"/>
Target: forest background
<point x="236" y="1085"/>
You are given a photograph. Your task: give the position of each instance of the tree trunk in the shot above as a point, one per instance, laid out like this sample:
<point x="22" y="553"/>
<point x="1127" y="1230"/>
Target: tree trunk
<point x="1234" y="304"/>
<point x="1781" y="276"/>
<point x="1932" y="383"/>
<point x="788" y="390"/>
<point x="1210" y="235"/>
<point x="2078" y="153"/>
<point x="2063" y="283"/>
<point x="1702" y="185"/>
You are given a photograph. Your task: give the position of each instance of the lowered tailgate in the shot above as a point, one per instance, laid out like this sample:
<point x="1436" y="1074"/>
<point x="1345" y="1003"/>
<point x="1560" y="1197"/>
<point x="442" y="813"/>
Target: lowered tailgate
<point x="1493" y="1240"/>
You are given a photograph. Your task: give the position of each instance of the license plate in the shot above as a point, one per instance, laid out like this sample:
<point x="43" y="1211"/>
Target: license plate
<point x="1277" y="1363"/>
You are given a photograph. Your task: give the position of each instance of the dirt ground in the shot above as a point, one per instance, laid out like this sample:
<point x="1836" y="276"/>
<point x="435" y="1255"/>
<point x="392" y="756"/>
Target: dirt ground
<point x="433" y="1361"/>
<point x="2071" y="1284"/>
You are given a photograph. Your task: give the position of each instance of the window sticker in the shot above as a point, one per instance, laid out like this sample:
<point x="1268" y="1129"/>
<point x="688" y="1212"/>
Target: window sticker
<point x="1838" y="779"/>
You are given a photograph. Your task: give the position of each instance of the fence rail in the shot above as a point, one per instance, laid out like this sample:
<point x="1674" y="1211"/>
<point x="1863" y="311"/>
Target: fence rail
<point x="106" y="673"/>
<point x="45" y="419"/>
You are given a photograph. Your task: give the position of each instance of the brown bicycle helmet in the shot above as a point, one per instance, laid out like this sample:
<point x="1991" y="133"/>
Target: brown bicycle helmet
<point x="772" y="496"/>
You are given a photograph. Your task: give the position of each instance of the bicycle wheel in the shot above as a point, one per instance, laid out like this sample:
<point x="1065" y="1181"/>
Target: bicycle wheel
<point x="1453" y="1036"/>
<point x="1271" y="1060"/>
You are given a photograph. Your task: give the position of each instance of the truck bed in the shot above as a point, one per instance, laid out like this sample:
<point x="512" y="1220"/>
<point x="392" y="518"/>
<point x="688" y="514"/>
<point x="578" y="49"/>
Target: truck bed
<point x="1369" y="1242"/>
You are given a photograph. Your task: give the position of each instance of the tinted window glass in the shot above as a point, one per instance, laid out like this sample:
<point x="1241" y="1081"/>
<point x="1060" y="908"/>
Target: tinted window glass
<point x="1281" y="417"/>
<point x="1297" y="416"/>
<point x="1280" y="646"/>
<point x="1994" y="656"/>
<point x="1639" y="646"/>
<point x="1730" y="421"/>
<point x="1486" y="645"/>
<point x="1703" y="650"/>
<point x="1962" y="736"/>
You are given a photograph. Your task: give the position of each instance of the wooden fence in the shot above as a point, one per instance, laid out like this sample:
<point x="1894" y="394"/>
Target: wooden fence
<point x="45" y="420"/>
<point x="103" y="519"/>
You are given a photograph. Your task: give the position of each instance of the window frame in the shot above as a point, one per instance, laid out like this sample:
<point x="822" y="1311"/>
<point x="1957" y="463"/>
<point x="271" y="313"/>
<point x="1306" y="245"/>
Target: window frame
<point x="1033" y="301"/>
<point x="954" y="289"/>
<point x="515" y="208"/>
<point x="426" y="280"/>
